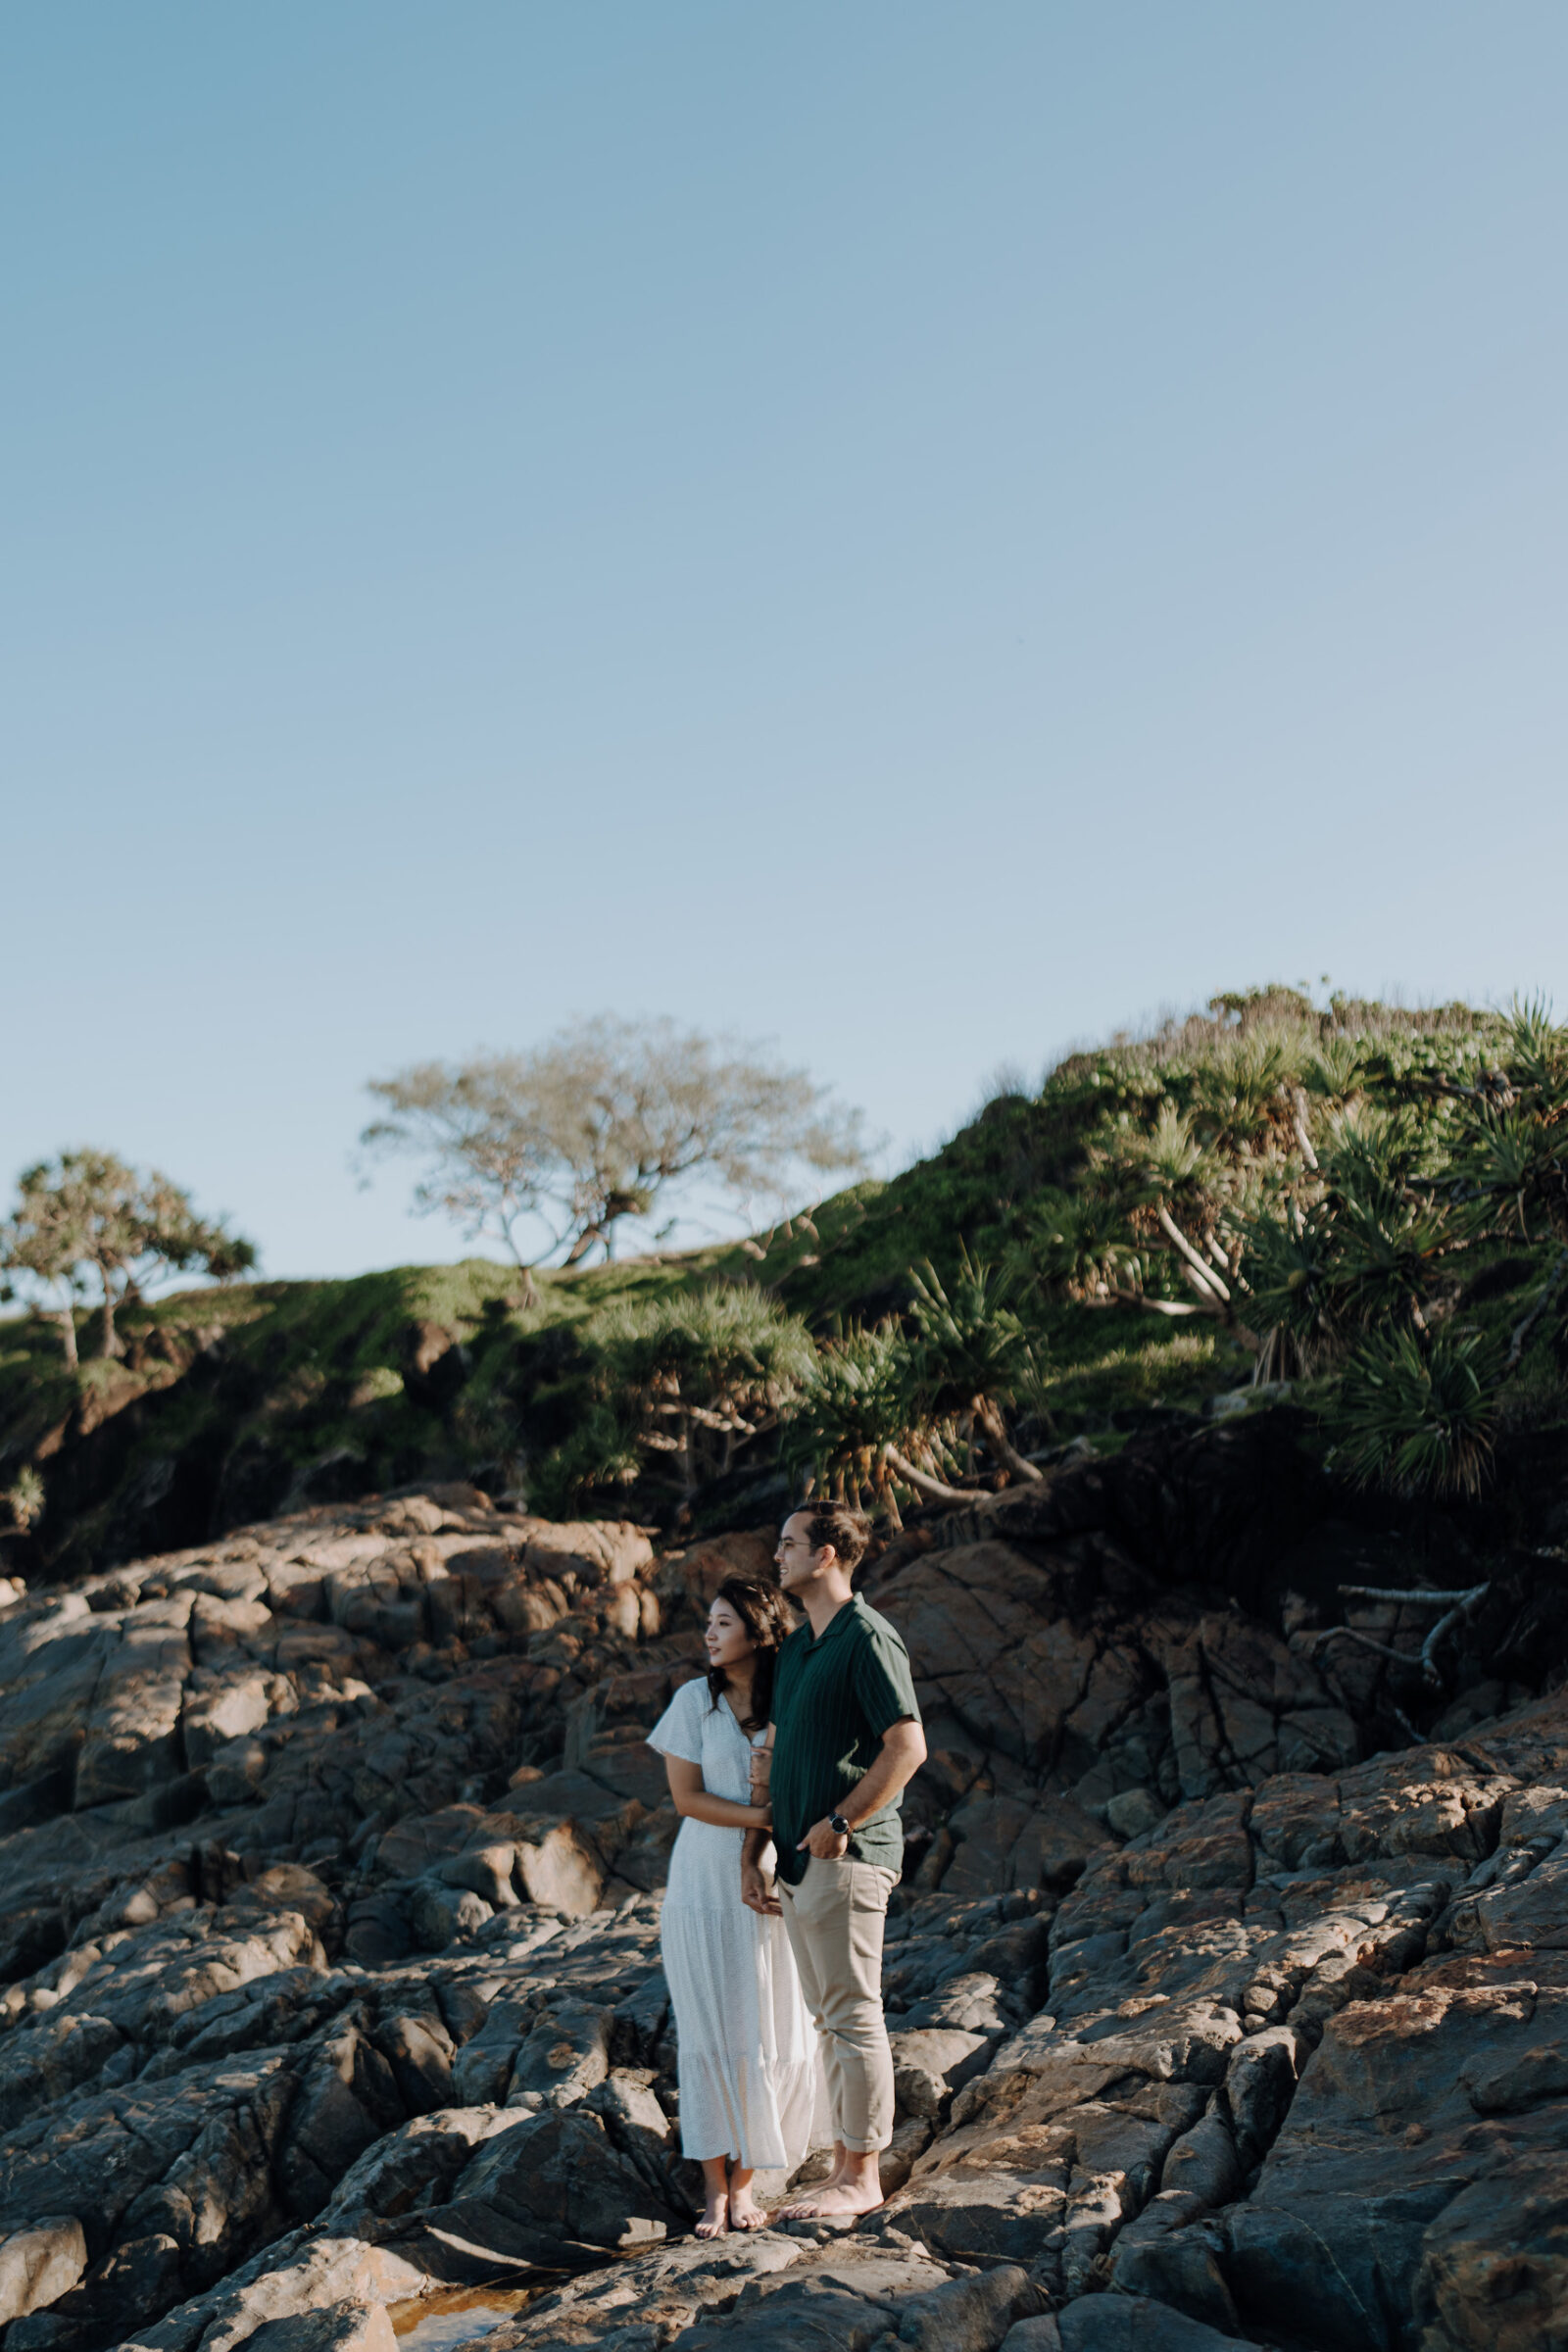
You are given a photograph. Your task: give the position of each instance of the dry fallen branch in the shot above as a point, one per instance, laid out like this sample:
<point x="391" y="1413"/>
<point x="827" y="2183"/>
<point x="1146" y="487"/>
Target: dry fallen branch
<point x="1455" y="1605"/>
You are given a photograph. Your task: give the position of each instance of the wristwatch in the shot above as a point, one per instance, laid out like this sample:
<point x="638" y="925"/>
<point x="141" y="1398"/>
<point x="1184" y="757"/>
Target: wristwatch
<point x="838" y="1825"/>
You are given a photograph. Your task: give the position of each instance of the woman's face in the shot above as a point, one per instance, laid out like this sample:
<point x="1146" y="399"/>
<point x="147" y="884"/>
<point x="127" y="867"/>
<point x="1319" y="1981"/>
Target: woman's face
<point x="728" y="1642"/>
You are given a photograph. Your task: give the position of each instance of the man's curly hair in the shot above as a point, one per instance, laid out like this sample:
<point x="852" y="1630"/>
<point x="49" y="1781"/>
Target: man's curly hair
<point x="849" y="1532"/>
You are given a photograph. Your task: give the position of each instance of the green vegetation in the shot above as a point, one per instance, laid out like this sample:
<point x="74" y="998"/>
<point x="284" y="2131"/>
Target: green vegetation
<point x="1367" y="1204"/>
<point x="87" y="1215"/>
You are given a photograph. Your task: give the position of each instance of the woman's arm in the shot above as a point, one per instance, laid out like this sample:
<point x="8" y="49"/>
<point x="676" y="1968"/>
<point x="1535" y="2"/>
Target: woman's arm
<point x="695" y="1804"/>
<point x="756" y="1889"/>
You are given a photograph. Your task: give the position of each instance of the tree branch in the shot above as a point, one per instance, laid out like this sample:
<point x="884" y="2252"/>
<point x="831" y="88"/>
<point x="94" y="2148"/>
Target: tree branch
<point x="1208" y="1279"/>
<point x="931" y="1487"/>
<point x="1002" y="1445"/>
<point x="1455" y="1605"/>
<point x="1117" y="1297"/>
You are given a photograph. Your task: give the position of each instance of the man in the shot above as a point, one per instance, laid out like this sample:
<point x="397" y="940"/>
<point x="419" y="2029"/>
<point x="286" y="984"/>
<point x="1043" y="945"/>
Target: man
<point x="847" y="1740"/>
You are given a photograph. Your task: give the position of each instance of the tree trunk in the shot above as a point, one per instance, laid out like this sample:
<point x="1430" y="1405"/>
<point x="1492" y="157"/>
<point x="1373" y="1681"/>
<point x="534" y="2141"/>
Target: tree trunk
<point x="68" y="1335"/>
<point x="530" y="1289"/>
<point x="111" y="1336"/>
<point x="989" y="1416"/>
<point x="1207" y="1281"/>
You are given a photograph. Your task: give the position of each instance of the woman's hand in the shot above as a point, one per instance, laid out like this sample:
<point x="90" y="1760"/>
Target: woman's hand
<point x="757" y="1892"/>
<point x="694" y="1803"/>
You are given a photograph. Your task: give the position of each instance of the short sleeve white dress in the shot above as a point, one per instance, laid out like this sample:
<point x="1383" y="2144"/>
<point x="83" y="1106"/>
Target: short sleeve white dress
<point x="749" y="2067"/>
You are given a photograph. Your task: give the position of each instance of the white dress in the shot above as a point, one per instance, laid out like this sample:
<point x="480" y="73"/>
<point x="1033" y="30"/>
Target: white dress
<point x="749" y="2065"/>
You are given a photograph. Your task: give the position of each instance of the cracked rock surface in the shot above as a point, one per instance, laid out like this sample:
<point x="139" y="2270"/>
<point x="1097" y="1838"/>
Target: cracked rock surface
<point x="330" y="1860"/>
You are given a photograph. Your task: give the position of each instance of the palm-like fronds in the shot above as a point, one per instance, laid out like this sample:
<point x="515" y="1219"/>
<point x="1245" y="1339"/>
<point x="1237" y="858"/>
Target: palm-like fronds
<point x="859" y="1402"/>
<point x="1518" y="1164"/>
<point x="1236" y="1095"/>
<point x="971" y="1341"/>
<point x="601" y="1453"/>
<point x="1537" y="1051"/>
<point x="1290" y="1259"/>
<point x="1077" y="1242"/>
<point x="1419" y="1419"/>
<point x="1174" y="1164"/>
<point x="1337" y="1071"/>
<point x="973" y="1355"/>
<point x="728" y="1344"/>
<point x="1511" y="1153"/>
<point x="679" y="1381"/>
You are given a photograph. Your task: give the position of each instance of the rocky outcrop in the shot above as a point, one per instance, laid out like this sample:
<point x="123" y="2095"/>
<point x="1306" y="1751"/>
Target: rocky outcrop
<point x="331" y="1858"/>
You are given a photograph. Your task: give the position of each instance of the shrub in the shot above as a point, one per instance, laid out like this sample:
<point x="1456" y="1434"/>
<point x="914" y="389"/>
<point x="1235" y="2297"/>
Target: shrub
<point x="1419" y="1418"/>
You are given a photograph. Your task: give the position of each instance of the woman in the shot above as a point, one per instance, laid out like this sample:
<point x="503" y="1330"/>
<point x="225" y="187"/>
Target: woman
<point x="748" y="2048"/>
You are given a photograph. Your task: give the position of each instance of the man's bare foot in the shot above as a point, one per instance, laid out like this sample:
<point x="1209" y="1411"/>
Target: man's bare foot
<point x="834" y="2201"/>
<point x="715" y="2218"/>
<point x="745" y="2213"/>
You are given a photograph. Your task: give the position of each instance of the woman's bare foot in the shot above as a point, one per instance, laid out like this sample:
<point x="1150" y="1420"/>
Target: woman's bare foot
<point x="715" y="2218"/>
<point x="745" y="2213"/>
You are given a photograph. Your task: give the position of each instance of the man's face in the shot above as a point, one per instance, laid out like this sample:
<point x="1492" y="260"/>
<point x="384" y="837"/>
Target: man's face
<point x="796" y="1561"/>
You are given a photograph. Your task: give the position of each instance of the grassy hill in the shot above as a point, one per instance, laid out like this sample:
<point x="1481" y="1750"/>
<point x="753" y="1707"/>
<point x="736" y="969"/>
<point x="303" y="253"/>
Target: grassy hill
<point x="1366" y="1203"/>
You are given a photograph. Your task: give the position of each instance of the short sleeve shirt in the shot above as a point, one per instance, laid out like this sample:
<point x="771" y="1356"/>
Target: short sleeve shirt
<point x="834" y="1696"/>
<point x="693" y="1728"/>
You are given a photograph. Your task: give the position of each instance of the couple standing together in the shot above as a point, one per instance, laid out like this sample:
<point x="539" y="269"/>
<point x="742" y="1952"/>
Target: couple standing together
<point x="790" y="1758"/>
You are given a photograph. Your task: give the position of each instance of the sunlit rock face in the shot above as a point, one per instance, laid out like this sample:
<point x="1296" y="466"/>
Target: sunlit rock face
<point x="331" y="1858"/>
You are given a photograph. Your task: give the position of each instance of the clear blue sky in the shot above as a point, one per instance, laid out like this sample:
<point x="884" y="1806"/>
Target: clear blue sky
<point x="924" y="532"/>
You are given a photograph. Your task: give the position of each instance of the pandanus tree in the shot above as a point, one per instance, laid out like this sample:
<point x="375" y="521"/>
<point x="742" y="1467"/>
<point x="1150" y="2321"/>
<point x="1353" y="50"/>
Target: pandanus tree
<point x="676" y="1387"/>
<point x="857" y="1430"/>
<point x="89" y="1215"/>
<point x="973" y="1356"/>
<point x="1442" y="1151"/>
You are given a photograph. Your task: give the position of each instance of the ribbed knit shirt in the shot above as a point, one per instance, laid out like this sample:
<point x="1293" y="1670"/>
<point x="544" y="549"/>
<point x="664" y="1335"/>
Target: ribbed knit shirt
<point x="834" y="1696"/>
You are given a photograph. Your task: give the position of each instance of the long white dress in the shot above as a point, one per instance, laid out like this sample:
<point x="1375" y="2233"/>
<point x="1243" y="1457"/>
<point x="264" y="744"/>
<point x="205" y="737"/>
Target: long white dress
<point x="749" y="2065"/>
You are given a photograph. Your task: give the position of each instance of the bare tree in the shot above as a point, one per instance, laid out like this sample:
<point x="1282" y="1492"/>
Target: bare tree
<point x="88" y="1212"/>
<point x="597" y="1125"/>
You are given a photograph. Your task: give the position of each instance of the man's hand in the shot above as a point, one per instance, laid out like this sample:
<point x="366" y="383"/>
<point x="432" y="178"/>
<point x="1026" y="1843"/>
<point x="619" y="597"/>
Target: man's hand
<point x="762" y="1774"/>
<point x="823" y="1840"/>
<point x="757" y="1893"/>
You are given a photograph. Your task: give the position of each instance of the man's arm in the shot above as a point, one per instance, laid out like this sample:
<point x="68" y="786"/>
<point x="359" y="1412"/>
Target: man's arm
<point x="901" y="1756"/>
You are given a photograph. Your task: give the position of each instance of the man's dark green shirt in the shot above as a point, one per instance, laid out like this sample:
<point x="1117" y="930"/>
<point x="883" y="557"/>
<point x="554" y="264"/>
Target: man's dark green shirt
<point x="834" y="1696"/>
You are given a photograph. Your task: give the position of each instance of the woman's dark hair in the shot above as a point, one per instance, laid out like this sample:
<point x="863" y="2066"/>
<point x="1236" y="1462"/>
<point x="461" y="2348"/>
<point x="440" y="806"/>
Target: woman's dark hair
<point x="763" y="1611"/>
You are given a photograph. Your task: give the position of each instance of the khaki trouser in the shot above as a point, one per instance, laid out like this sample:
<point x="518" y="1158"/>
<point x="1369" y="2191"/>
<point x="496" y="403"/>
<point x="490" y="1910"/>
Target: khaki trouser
<point x="835" y="1918"/>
